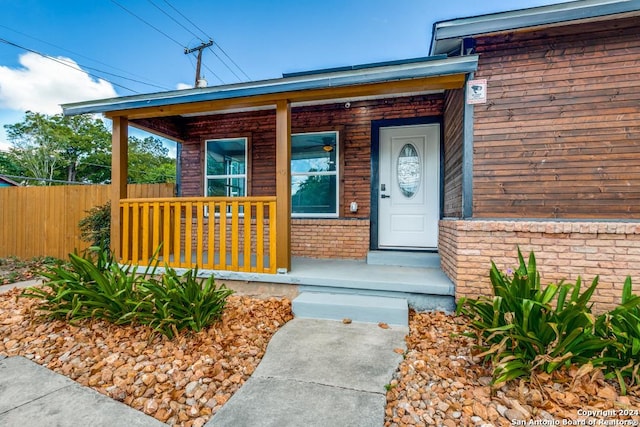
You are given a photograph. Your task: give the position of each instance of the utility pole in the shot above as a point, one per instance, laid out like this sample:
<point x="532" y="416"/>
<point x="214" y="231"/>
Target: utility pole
<point x="199" y="49"/>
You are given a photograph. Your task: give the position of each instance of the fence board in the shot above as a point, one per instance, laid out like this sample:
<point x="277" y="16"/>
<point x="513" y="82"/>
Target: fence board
<point x="43" y="221"/>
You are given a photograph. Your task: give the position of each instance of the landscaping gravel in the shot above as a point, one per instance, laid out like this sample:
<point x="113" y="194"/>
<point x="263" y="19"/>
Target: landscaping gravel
<point x="180" y="382"/>
<point x="186" y="380"/>
<point x="441" y="383"/>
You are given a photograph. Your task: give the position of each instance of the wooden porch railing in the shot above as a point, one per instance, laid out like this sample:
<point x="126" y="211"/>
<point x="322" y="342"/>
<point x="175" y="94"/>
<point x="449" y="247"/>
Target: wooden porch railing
<point x="235" y="233"/>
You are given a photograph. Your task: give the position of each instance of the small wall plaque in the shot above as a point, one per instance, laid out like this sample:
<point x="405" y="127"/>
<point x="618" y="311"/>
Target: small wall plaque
<point x="477" y="91"/>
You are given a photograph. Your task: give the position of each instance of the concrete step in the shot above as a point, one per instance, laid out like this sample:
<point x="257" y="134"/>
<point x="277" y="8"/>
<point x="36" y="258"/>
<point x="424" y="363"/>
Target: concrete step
<point x="359" y="308"/>
<point x="404" y="258"/>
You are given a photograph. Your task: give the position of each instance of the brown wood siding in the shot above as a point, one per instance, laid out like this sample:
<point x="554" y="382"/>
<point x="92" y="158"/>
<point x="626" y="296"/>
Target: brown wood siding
<point x="453" y="135"/>
<point x="560" y="134"/>
<point x="354" y="123"/>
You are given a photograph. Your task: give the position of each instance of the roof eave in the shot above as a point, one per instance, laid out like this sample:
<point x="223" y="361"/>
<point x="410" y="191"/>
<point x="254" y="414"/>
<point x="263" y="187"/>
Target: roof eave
<point x="574" y="12"/>
<point x="387" y="73"/>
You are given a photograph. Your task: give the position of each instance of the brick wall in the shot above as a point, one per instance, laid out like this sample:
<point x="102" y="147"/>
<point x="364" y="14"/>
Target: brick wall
<point x="335" y="238"/>
<point x="311" y="238"/>
<point x="563" y="250"/>
<point x="354" y="125"/>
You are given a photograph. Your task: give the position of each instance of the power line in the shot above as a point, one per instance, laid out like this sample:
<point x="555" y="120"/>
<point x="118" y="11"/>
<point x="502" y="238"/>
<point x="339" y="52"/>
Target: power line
<point x="149" y="24"/>
<point x="153" y="84"/>
<point x="175" y="20"/>
<point x="211" y="38"/>
<point x="234" y="62"/>
<point x="66" y="64"/>
<point x="188" y="20"/>
<point x="225" y="64"/>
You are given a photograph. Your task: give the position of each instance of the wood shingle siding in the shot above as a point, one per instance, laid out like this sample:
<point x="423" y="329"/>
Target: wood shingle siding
<point x="559" y="136"/>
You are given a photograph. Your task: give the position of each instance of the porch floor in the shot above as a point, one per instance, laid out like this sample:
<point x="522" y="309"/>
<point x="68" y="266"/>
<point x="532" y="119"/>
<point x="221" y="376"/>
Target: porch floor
<point x="424" y="288"/>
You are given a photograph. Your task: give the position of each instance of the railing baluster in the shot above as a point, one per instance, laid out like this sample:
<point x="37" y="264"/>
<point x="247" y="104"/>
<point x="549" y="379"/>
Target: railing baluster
<point x="235" y="238"/>
<point x="223" y="235"/>
<point x="135" y="235"/>
<point x="126" y="232"/>
<point x="149" y="223"/>
<point x="177" y="226"/>
<point x="188" y="234"/>
<point x="247" y="208"/>
<point x="260" y="237"/>
<point x="211" y="246"/>
<point x="145" y="232"/>
<point x="155" y="231"/>
<point x="199" y="232"/>
<point x="166" y="232"/>
<point x="272" y="237"/>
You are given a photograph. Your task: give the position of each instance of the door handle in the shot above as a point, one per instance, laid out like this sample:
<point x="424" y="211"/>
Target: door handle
<point x="385" y="196"/>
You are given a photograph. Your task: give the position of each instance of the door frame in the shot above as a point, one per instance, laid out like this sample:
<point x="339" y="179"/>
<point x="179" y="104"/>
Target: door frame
<point x="375" y="167"/>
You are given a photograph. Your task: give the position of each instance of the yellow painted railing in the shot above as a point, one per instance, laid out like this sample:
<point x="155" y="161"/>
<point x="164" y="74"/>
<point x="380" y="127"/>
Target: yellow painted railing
<point x="217" y="233"/>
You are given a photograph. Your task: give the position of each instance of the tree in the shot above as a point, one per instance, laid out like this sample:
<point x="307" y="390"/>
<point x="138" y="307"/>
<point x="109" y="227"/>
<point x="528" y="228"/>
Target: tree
<point x="51" y="147"/>
<point x="78" y="149"/>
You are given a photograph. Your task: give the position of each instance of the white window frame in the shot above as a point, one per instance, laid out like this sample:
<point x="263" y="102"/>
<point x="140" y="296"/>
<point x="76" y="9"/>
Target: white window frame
<point x="335" y="173"/>
<point x="225" y="176"/>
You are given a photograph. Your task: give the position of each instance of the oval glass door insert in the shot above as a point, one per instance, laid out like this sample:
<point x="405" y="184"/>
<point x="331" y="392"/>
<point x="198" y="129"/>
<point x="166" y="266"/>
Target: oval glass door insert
<point x="408" y="170"/>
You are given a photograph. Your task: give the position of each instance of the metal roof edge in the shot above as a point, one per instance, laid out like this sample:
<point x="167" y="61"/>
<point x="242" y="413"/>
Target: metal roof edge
<point x="525" y="18"/>
<point x="406" y="70"/>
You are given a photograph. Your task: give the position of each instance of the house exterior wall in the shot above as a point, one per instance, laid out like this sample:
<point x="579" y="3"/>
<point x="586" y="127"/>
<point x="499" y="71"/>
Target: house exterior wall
<point x="453" y="136"/>
<point x="564" y="250"/>
<point x="346" y="236"/>
<point x="559" y="136"/>
<point x="556" y="160"/>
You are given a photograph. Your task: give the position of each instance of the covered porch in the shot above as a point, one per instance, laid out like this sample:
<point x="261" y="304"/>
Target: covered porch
<point x="249" y="237"/>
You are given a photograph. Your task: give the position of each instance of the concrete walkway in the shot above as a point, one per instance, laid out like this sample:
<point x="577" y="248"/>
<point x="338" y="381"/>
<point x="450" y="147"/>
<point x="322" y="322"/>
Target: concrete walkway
<point x="318" y="373"/>
<point x="33" y="396"/>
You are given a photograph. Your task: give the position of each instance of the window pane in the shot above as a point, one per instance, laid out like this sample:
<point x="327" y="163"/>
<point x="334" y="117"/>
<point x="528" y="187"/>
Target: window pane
<point x="313" y="194"/>
<point x="225" y="187"/>
<point x="226" y="157"/>
<point x="313" y="152"/>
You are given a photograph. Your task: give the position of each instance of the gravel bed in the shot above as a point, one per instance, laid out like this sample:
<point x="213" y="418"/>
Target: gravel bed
<point x="181" y="382"/>
<point x="186" y="380"/>
<point x="440" y="382"/>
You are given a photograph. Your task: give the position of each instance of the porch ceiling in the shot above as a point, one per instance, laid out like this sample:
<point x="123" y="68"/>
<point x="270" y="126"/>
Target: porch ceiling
<point x="426" y="74"/>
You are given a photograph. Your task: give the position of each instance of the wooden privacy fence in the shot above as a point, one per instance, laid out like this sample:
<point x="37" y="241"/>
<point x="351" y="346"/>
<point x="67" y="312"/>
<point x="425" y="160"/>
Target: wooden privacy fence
<point x="217" y="233"/>
<point x="43" y="221"/>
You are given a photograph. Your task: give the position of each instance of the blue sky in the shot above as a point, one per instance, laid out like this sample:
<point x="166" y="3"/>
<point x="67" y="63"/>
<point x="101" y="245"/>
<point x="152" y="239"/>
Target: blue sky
<point x="264" y="38"/>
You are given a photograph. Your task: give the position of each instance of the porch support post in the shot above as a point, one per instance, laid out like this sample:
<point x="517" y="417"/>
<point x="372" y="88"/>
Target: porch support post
<point x="119" y="173"/>
<point x="467" y="155"/>
<point x="283" y="185"/>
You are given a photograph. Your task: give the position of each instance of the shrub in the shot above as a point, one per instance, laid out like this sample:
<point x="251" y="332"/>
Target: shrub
<point x="95" y="228"/>
<point x="95" y="286"/>
<point x="622" y="327"/>
<point x="524" y="327"/>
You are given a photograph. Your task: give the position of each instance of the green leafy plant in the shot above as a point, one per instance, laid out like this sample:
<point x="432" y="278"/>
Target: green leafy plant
<point x="183" y="302"/>
<point x="91" y="285"/>
<point x="95" y="228"/>
<point x="622" y="327"/>
<point x="525" y="327"/>
<point x="94" y="286"/>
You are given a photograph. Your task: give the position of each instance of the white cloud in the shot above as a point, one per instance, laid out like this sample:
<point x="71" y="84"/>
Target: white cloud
<point x="181" y="86"/>
<point x="41" y="85"/>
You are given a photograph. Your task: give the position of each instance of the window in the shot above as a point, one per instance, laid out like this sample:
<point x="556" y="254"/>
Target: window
<point x="314" y="174"/>
<point x="225" y="168"/>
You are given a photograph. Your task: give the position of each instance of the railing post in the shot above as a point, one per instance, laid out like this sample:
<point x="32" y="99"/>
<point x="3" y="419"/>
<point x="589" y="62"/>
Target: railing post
<point x="283" y="185"/>
<point x="119" y="172"/>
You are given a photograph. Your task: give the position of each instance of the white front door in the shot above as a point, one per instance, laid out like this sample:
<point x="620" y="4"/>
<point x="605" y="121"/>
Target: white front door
<point x="409" y="187"/>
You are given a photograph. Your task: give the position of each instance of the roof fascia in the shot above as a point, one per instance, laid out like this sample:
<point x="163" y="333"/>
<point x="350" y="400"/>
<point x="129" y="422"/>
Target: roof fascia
<point x="255" y="93"/>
